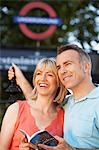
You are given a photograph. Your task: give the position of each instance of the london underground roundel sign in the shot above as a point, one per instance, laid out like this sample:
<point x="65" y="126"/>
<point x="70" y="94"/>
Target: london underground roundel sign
<point x="52" y="21"/>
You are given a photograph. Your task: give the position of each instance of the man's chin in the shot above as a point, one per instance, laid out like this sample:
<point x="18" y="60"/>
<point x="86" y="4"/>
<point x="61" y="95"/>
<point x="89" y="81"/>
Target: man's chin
<point x="67" y="85"/>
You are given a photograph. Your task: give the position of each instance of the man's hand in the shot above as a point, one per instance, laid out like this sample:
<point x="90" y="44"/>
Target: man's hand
<point x="61" y="146"/>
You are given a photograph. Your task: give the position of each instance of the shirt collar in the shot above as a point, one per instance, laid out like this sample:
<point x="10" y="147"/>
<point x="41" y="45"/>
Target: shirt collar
<point x="93" y="94"/>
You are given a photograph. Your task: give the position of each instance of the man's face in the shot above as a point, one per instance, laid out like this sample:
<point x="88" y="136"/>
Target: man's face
<point x="71" y="70"/>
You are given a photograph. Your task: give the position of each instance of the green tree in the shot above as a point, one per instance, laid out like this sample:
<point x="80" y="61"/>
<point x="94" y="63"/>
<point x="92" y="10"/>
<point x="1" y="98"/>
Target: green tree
<point x="80" y="23"/>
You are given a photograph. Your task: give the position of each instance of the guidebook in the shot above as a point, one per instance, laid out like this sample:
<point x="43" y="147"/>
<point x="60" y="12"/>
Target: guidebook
<point x="42" y="137"/>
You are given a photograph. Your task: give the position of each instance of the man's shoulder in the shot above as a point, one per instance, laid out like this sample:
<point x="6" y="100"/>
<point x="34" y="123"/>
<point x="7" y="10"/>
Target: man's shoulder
<point x="67" y="97"/>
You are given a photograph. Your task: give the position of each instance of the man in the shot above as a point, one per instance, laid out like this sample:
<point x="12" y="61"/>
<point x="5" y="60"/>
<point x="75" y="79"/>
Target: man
<point x="81" y="123"/>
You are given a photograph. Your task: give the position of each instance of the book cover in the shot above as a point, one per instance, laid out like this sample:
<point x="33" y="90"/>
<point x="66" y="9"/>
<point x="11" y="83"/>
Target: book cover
<point x="41" y="136"/>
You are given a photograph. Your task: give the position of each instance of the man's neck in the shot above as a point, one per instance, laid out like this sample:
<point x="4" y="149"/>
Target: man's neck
<point x="81" y="91"/>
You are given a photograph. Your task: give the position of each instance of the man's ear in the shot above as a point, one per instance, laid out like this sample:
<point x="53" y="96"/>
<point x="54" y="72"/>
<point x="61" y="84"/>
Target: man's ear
<point x="87" y="67"/>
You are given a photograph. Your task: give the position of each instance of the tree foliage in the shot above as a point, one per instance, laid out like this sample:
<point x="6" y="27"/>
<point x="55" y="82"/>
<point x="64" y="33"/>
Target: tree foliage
<point x="80" y="23"/>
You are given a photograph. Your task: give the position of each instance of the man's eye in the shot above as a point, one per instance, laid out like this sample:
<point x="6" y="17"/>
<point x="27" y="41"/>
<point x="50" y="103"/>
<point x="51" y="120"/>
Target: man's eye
<point x="69" y="63"/>
<point x="58" y="68"/>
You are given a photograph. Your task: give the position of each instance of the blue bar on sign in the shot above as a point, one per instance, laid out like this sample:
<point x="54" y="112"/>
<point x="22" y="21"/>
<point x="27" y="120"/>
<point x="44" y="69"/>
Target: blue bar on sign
<point x="38" y="20"/>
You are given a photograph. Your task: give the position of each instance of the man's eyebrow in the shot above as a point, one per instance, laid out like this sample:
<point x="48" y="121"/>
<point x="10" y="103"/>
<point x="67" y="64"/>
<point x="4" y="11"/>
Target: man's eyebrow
<point x="65" y="62"/>
<point x="60" y="65"/>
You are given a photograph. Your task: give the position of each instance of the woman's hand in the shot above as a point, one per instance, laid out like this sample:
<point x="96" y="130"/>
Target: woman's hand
<point x="24" y="145"/>
<point x="15" y="71"/>
<point x="21" y="81"/>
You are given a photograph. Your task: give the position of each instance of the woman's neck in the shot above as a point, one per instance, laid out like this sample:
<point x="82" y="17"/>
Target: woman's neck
<point x="44" y="104"/>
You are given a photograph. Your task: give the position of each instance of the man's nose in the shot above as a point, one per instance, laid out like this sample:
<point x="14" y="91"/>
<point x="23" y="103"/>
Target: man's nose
<point x="63" y="70"/>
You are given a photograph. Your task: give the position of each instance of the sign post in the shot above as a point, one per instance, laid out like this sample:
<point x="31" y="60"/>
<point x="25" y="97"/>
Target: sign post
<point x="52" y="21"/>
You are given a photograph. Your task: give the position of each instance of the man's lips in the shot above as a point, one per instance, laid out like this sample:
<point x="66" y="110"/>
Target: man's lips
<point x="66" y="77"/>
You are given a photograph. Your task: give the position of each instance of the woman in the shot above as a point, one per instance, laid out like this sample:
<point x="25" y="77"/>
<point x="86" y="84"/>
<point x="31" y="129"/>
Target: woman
<point x="40" y="111"/>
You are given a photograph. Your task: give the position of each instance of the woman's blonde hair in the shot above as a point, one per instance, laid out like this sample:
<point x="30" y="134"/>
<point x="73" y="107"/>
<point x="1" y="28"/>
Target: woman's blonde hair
<point x="61" y="91"/>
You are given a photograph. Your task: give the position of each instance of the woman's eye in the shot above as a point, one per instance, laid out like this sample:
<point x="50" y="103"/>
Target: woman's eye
<point x="38" y="73"/>
<point x="50" y="75"/>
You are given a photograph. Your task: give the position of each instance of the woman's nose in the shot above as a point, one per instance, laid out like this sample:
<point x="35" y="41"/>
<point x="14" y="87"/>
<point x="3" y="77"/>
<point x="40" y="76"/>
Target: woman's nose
<point x="43" y="77"/>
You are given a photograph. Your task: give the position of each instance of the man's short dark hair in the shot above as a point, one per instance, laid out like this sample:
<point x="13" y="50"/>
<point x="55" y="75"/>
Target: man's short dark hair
<point x="81" y="52"/>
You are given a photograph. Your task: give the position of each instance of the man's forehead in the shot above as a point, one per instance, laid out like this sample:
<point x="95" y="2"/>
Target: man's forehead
<point x="66" y="56"/>
<point x="68" y="51"/>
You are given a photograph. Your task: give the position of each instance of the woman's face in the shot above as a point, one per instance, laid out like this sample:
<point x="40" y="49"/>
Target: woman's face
<point x="45" y="81"/>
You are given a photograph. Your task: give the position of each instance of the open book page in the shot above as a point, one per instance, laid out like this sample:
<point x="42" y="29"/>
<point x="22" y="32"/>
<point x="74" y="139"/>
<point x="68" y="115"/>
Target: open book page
<point x="30" y="137"/>
<point x="41" y="137"/>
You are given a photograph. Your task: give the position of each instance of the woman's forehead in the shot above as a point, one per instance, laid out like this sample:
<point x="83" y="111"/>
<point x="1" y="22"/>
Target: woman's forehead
<point x="43" y="67"/>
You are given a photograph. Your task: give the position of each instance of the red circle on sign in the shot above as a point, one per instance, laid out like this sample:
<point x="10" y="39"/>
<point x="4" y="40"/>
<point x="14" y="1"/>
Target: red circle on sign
<point x="33" y="35"/>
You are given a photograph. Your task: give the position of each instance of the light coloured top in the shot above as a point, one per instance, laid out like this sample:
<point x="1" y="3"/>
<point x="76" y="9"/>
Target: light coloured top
<point x="81" y="123"/>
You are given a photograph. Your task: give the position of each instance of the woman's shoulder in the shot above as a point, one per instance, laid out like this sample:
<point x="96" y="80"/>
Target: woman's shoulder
<point x="11" y="112"/>
<point x="15" y="106"/>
